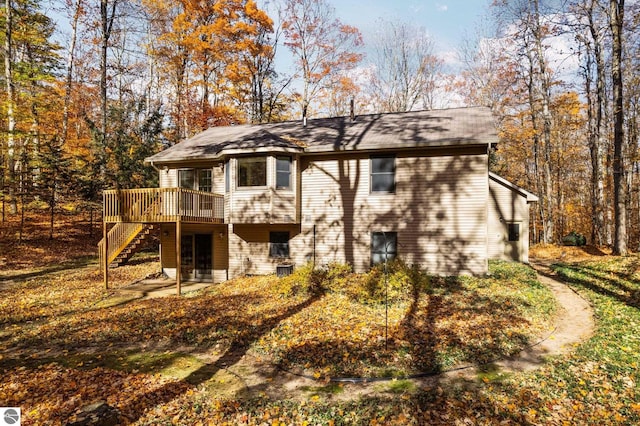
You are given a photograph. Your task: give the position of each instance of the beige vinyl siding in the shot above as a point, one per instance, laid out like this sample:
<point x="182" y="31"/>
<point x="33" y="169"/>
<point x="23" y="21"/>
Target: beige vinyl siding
<point x="249" y="248"/>
<point x="168" y="178"/>
<point x="217" y="179"/>
<point x="506" y="206"/>
<point x="263" y="204"/>
<point x="220" y="248"/>
<point x="438" y="209"/>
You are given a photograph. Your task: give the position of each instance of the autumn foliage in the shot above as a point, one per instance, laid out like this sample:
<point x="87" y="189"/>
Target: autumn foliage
<point x="259" y="350"/>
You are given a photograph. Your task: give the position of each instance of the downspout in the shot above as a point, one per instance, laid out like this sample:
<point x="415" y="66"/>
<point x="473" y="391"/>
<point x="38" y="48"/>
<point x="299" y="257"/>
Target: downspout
<point x="486" y="210"/>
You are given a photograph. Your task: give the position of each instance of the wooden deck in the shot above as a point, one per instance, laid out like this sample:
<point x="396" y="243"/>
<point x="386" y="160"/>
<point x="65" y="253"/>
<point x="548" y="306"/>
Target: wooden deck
<point x="161" y="205"/>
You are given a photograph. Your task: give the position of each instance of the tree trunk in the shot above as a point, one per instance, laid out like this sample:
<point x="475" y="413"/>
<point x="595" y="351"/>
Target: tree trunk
<point x="11" y="119"/>
<point x="600" y="151"/>
<point x="107" y="17"/>
<point x="545" y="98"/>
<point x="69" y="76"/>
<point x="619" y="181"/>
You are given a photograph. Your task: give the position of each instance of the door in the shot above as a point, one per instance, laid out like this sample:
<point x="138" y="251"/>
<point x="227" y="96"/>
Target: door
<point x="186" y="180"/>
<point x="197" y="256"/>
<point x="203" y="255"/>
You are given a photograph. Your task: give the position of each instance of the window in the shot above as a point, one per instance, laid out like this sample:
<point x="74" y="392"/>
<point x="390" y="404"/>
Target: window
<point x="187" y="178"/>
<point x="383" y="245"/>
<point x="199" y="179"/>
<point x="514" y="231"/>
<point x="252" y="171"/>
<point x="205" y="185"/>
<point x="283" y="172"/>
<point x="186" y="250"/>
<point x="383" y="171"/>
<point x="227" y="176"/>
<point x="204" y="180"/>
<point x="278" y="244"/>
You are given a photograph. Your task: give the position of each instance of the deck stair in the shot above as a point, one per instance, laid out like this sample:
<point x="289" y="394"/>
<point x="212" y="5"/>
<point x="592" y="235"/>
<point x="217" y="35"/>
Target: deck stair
<point x="134" y="246"/>
<point x="125" y="239"/>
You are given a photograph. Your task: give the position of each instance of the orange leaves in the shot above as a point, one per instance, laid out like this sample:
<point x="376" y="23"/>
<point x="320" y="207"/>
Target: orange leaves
<point x="322" y="44"/>
<point x="52" y="394"/>
<point x="199" y="42"/>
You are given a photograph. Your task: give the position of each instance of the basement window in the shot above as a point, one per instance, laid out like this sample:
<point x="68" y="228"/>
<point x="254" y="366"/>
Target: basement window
<point x="278" y="244"/>
<point x="384" y="245"/>
<point x="514" y="231"/>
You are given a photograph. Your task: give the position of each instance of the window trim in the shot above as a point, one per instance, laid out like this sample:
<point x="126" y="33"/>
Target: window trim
<point x="256" y="159"/>
<point x="391" y="255"/>
<point x="373" y="173"/>
<point x="273" y="247"/>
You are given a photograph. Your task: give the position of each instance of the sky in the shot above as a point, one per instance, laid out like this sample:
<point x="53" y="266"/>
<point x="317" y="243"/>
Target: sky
<point x="447" y="22"/>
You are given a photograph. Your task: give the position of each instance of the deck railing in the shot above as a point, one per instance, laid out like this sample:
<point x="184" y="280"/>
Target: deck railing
<point x="162" y="205"/>
<point x="119" y="236"/>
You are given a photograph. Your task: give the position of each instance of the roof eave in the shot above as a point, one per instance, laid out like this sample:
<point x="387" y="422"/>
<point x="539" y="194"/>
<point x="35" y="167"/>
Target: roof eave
<point x="222" y="155"/>
<point x="530" y="198"/>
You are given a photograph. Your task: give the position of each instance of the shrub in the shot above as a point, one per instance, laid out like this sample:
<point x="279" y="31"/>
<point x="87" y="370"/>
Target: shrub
<point x="37" y="205"/>
<point x="306" y="280"/>
<point x="400" y="283"/>
<point x="574" y="239"/>
<point x="296" y="283"/>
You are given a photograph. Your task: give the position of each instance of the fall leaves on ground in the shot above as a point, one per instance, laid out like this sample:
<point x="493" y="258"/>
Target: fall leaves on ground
<point x="182" y="360"/>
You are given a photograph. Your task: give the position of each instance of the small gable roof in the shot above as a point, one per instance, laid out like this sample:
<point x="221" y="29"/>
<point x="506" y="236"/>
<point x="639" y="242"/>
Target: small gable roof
<point x="414" y="129"/>
<point x="531" y="198"/>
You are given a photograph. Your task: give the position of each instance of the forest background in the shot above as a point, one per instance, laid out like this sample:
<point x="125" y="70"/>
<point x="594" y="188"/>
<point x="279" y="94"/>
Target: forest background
<point x="128" y="78"/>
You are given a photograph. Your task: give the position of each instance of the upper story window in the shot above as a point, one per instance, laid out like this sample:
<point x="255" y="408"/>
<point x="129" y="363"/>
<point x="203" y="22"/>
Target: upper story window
<point x="283" y="172"/>
<point x="252" y="171"/>
<point x="187" y="178"/>
<point x="227" y="176"/>
<point x="383" y="173"/>
<point x="198" y="179"/>
<point x="204" y="180"/>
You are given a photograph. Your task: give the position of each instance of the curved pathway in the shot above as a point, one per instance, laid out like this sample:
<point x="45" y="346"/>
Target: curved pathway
<point x="574" y="324"/>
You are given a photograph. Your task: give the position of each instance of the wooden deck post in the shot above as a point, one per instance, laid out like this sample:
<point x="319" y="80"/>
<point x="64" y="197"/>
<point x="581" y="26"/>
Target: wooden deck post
<point x="178" y="256"/>
<point x="105" y="261"/>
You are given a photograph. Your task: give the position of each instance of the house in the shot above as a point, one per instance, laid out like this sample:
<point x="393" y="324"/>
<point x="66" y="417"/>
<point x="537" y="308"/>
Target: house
<point x="243" y="199"/>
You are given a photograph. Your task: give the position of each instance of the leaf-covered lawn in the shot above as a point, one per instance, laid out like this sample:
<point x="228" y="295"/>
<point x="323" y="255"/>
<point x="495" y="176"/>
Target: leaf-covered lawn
<point x="160" y="361"/>
<point x="454" y="321"/>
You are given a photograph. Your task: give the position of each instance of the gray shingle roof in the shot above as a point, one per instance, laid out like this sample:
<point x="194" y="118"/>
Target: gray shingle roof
<point x="434" y="128"/>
